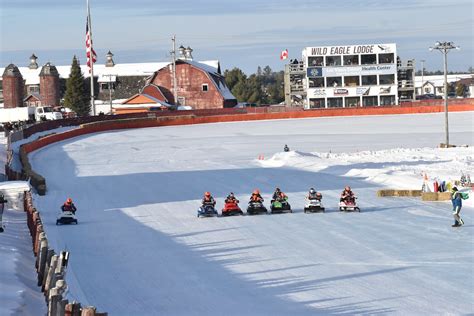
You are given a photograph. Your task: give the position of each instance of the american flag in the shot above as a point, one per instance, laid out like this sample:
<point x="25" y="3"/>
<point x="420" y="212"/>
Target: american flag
<point x="90" y="53"/>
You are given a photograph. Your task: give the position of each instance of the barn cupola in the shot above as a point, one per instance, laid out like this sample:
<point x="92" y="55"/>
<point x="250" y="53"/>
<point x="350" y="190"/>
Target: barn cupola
<point x="109" y="60"/>
<point x="33" y="64"/>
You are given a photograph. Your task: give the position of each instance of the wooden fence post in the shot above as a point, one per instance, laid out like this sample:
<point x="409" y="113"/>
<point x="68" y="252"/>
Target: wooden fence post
<point x="42" y="256"/>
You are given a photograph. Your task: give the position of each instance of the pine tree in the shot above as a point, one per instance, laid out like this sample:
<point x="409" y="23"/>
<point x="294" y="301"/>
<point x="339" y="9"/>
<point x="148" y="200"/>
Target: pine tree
<point x="75" y="97"/>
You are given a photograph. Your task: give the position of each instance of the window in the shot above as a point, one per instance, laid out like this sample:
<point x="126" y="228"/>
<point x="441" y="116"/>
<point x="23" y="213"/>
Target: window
<point x="368" y="59"/>
<point x="369" y="80"/>
<point x="333" y="81"/>
<point x="315" y="61"/>
<point x="334" y="102"/>
<point x="317" y="103"/>
<point x="351" y="81"/>
<point x="387" y="100"/>
<point x="352" y="102"/>
<point x="351" y="60"/>
<point x="316" y="82"/>
<point x="181" y="101"/>
<point x="369" y="101"/>
<point x="386" y="79"/>
<point x="33" y="89"/>
<point x="386" y="58"/>
<point x="104" y="86"/>
<point x="333" y="60"/>
<point x="205" y="87"/>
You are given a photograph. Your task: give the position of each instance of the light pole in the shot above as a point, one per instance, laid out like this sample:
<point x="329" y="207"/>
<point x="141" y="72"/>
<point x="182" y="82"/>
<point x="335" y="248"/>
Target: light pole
<point x="422" y="76"/>
<point x="445" y="47"/>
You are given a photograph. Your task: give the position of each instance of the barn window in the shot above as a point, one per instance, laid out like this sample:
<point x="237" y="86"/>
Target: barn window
<point x="205" y="87"/>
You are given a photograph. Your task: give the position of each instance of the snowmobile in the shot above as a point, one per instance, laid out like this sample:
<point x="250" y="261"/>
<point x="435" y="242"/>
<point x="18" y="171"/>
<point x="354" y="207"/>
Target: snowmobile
<point x="207" y="211"/>
<point x="256" y="208"/>
<point x="313" y="205"/>
<point x="349" y="205"/>
<point x="280" y="206"/>
<point x="231" y="208"/>
<point x="66" y="217"/>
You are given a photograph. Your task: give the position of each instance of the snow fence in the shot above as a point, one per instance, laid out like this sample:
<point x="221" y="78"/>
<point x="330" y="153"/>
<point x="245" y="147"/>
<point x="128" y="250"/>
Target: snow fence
<point x="51" y="268"/>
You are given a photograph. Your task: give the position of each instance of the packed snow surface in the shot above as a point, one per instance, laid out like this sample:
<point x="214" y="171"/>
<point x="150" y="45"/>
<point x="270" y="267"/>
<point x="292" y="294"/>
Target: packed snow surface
<point x="139" y="248"/>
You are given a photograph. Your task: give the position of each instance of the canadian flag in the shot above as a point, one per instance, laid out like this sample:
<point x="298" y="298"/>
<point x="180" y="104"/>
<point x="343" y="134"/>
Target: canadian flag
<point x="284" y="54"/>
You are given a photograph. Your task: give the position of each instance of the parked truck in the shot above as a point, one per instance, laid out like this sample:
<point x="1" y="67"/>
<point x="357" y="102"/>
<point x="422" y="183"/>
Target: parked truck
<point x="29" y="114"/>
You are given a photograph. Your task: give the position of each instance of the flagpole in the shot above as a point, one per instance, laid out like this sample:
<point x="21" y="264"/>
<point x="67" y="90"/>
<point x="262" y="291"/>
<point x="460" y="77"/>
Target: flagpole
<point x="91" y="61"/>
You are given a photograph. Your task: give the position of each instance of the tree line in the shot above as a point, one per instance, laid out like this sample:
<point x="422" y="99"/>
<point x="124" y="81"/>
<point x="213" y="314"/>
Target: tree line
<point x="263" y="87"/>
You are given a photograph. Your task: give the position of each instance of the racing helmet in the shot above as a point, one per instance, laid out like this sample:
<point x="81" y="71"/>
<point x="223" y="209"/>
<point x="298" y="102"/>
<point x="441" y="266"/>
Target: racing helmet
<point x="256" y="191"/>
<point x="312" y="191"/>
<point x="208" y="194"/>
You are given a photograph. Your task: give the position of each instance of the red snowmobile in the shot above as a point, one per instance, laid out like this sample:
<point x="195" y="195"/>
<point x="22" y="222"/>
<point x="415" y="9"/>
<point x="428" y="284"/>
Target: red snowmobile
<point x="231" y="208"/>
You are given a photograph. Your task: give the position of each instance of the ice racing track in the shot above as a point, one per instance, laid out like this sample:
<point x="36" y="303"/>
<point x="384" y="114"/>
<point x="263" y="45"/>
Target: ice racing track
<point x="140" y="250"/>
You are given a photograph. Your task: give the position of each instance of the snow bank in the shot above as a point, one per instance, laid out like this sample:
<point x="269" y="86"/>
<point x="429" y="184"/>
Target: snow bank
<point x="400" y="168"/>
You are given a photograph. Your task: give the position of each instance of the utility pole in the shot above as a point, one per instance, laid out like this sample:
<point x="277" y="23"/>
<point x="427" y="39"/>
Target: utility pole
<point x="422" y="75"/>
<point x="110" y="89"/>
<point x="173" y="55"/>
<point x="444" y="48"/>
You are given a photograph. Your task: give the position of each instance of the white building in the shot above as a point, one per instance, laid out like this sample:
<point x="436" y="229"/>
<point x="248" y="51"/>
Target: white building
<point x="435" y="84"/>
<point x="350" y="76"/>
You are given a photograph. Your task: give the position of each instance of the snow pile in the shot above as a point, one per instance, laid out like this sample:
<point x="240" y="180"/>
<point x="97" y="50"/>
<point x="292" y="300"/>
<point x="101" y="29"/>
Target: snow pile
<point x="399" y="168"/>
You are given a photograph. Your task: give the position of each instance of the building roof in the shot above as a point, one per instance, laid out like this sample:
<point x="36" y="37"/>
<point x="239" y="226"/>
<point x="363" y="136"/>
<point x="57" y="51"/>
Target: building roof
<point x="31" y="76"/>
<point x="438" y="80"/>
<point x="214" y="74"/>
<point x="37" y="96"/>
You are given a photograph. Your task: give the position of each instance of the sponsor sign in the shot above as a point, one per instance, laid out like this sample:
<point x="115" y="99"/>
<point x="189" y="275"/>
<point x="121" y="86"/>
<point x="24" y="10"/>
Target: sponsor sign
<point x="319" y="92"/>
<point x="312" y="72"/>
<point x="384" y="90"/>
<point x="359" y="70"/>
<point x="339" y="91"/>
<point x="363" y="91"/>
<point x="351" y="50"/>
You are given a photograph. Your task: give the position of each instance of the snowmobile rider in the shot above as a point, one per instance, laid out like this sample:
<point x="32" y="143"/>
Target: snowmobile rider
<point x="278" y="195"/>
<point x="68" y="206"/>
<point x="347" y="195"/>
<point x="286" y="148"/>
<point x="231" y="198"/>
<point x="256" y="197"/>
<point x="208" y="200"/>
<point x="313" y="195"/>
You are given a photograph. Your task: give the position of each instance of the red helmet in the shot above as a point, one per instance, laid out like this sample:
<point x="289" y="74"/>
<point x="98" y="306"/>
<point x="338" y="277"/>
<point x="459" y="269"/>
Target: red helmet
<point x="69" y="201"/>
<point x="347" y="188"/>
<point x="207" y="194"/>
<point x="256" y="191"/>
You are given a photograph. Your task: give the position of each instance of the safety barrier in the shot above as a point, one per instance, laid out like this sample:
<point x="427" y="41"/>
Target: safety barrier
<point x="395" y="192"/>
<point x="51" y="268"/>
<point x="436" y="196"/>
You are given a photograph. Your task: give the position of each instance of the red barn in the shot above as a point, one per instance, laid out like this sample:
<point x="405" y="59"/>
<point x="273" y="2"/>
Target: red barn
<point x="199" y="85"/>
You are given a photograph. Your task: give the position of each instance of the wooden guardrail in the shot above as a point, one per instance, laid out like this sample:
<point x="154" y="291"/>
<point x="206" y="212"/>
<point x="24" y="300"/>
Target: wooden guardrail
<point x="51" y="268"/>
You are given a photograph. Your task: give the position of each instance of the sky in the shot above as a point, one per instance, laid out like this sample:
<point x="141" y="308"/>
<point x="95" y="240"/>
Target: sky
<point x="239" y="33"/>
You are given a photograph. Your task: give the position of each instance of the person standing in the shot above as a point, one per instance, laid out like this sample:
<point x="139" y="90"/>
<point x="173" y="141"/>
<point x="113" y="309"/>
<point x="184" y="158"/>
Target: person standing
<point x="2" y="207"/>
<point x="456" y="199"/>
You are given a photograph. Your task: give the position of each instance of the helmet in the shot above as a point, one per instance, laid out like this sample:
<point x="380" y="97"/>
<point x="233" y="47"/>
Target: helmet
<point x="231" y="194"/>
<point x="256" y="191"/>
<point x="312" y="191"/>
<point x="69" y="201"/>
<point x="347" y="188"/>
<point x="454" y="189"/>
<point x="207" y="194"/>
<point x="277" y="189"/>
